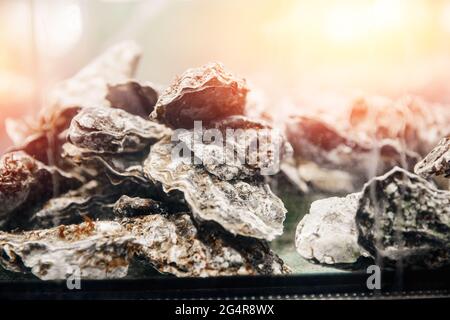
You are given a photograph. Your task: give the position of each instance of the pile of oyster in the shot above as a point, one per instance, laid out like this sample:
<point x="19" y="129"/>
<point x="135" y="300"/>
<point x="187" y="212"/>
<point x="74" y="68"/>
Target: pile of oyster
<point x="399" y="219"/>
<point x="96" y="182"/>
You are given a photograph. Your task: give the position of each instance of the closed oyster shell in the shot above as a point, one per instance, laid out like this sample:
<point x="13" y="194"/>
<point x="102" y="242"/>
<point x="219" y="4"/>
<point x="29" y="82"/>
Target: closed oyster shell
<point x="113" y="130"/>
<point x="26" y="183"/>
<point x="117" y="167"/>
<point x="104" y="249"/>
<point x="244" y="207"/>
<point x="207" y="93"/>
<point x="402" y="218"/>
<point x="328" y="233"/>
<point x="437" y="162"/>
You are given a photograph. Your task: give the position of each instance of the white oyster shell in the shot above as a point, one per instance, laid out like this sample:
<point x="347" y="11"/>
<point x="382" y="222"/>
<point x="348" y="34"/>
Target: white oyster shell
<point x="328" y="233"/>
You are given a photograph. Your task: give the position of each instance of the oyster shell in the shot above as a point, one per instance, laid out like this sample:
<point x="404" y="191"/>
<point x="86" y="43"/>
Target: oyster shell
<point x="113" y="130"/>
<point x="117" y="167"/>
<point x="244" y="207"/>
<point x="328" y="233"/>
<point x="236" y="147"/>
<point x="316" y="142"/>
<point x="104" y="249"/>
<point x="207" y="93"/>
<point x="88" y="88"/>
<point x="437" y="162"/>
<point x="133" y="97"/>
<point x="404" y="218"/>
<point x="26" y="183"/>
<point x="43" y="138"/>
<point x="99" y="250"/>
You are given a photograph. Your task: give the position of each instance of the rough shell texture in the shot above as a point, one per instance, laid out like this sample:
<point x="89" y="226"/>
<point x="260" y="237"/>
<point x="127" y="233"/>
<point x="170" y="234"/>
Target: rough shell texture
<point x="26" y="183"/>
<point x="117" y="167"/>
<point x="236" y="148"/>
<point x="133" y="97"/>
<point x="245" y="207"/>
<point x="206" y="93"/>
<point x="437" y="162"/>
<point x="104" y="249"/>
<point x="402" y="217"/>
<point x="328" y="233"/>
<point x="113" y="130"/>
<point x="98" y="250"/>
<point x="174" y="245"/>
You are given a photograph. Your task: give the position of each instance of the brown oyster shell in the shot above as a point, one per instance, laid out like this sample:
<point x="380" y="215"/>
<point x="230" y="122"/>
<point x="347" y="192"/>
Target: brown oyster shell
<point x="206" y="93"/>
<point x="104" y="249"/>
<point x="26" y="183"/>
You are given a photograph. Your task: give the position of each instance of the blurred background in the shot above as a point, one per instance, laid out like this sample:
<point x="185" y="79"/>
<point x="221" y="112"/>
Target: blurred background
<point x="301" y="54"/>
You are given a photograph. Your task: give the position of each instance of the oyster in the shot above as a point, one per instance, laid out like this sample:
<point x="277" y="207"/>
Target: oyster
<point x="117" y="167"/>
<point x="88" y="88"/>
<point x="135" y="206"/>
<point x="173" y="244"/>
<point x="104" y="249"/>
<point x="26" y="183"/>
<point x="43" y="138"/>
<point x="236" y="147"/>
<point x="437" y="162"/>
<point x="404" y="218"/>
<point x="246" y="207"/>
<point x="328" y="233"/>
<point x="207" y="93"/>
<point x="97" y="250"/>
<point x="133" y="97"/>
<point x="113" y="130"/>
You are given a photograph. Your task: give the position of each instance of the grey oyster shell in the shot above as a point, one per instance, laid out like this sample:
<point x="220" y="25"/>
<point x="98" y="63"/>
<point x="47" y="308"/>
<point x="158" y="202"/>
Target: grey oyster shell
<point x="437" y="162"/>
<point x="117" y="167"/>
<point x="135" y="206"/>
<point x="173" y="244"/>
<point x="104" y="249"/>
<point x="133" y="97"/>
<point x="25" y="184"/>
<point x="328" y="233"/>
<point x="207" y="93"/>
<point x="113" y="130"/>
<point x="244" y="207"/>
<point x="249" y="148"/>
<point x="404" y="218"/>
